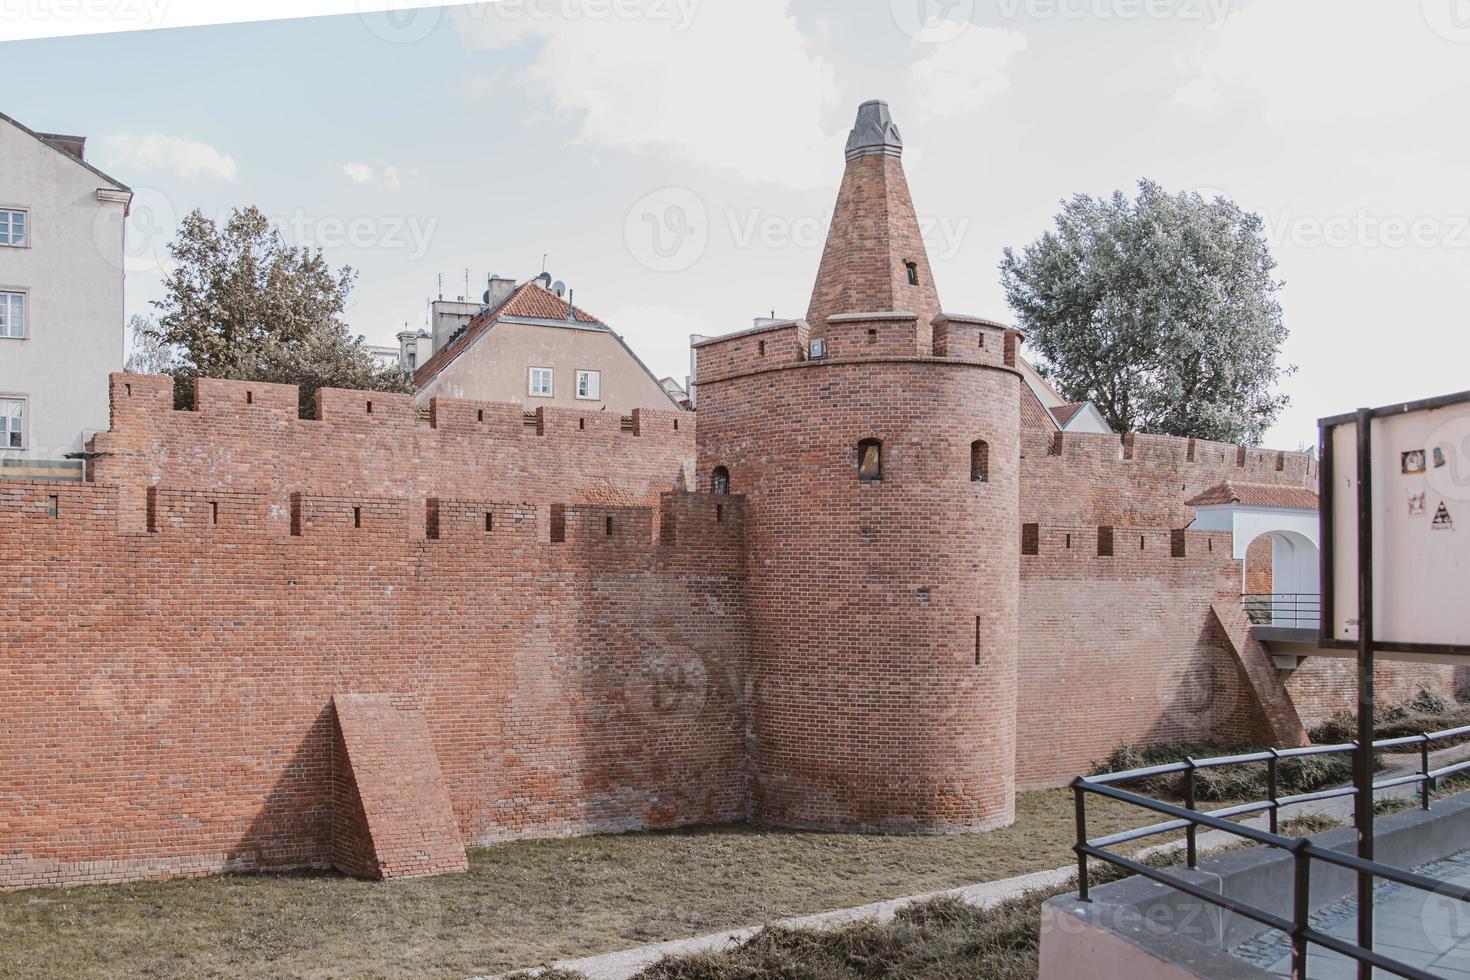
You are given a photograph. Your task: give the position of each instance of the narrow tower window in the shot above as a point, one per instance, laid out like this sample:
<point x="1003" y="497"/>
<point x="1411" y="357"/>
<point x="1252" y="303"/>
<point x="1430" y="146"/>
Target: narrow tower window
<point x="980" y="461"/>
<point x="719" y="481"/>
<point x="911" y="269"/>
<point x="870" y="460"/>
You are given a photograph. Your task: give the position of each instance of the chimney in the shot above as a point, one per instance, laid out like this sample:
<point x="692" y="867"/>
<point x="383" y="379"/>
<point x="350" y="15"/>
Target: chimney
<point x="75" y="146"/>
<point x="499" y="289"/>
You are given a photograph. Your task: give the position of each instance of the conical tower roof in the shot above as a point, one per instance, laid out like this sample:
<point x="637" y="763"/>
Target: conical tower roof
<point x="874" y="260"/>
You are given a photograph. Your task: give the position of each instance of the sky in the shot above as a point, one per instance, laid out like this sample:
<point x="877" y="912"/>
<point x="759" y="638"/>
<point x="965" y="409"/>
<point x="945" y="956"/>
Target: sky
<point x="675" y="162"/>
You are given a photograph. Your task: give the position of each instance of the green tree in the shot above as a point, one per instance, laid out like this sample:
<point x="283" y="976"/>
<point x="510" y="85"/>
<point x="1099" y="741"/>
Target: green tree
<point x="1161" y="311"/>
<point x="241" y="303"/>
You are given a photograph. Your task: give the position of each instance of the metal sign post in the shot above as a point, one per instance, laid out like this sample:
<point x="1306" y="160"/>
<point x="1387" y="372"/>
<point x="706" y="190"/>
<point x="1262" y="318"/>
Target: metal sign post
<point x="1395" y="511"/>
<point x="1363" y="759"/>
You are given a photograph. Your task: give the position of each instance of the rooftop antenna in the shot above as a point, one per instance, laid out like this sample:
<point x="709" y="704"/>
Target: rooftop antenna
<point x="441" y="285"/>
<point x="466" y="281"/>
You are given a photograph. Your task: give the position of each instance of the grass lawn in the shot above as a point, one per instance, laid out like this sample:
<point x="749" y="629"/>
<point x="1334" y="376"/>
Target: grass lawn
<point x="520" y="904"/>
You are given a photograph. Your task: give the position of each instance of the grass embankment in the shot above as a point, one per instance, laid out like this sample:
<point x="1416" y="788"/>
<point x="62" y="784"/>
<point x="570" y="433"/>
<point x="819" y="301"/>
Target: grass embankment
<point x="520" y="903"/>
<point x="937" y="940"/>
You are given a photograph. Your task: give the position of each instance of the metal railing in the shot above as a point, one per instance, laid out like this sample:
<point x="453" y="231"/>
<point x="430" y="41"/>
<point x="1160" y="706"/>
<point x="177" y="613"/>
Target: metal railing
<point x="1292" y="610"/>
<point x="1298" y="928"/>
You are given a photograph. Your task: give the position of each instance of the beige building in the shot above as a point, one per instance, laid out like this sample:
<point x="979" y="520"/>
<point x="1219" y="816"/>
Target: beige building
<point x="533" y="347"/>
<point x="61" y="299"/>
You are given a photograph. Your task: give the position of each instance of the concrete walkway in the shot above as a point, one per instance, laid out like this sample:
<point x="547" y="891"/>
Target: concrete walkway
<point x="626" y="963"/>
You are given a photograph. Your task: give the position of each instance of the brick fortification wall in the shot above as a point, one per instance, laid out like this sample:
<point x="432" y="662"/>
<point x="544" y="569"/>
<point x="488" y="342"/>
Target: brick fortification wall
<point x="882" y="613"/>
<point x="1118" y="647"/>
<point x="1325" y="686"/>
<point x="169" y="685"/>
<point x="1089" y="479"/>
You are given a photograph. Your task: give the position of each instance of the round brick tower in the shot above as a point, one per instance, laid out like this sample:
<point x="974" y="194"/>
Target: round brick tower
<point x="878" y="449"/>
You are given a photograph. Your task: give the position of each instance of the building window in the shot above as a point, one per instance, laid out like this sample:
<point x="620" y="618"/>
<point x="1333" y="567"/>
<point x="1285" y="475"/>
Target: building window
<point x="980" y="461"/>
<point x="911" y="269"/>
<point x="870" y="460"/>
<point x="12" y="314"/>
<point x="540" y="382"/>
<point x="12" y="423"/>
<point x="13" y="229"/>
<point x="589" y="385"/>
<point x="719" y="481"/>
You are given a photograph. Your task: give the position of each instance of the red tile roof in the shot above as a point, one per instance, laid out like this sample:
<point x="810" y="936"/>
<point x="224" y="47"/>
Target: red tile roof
<point x="1063" y="413"/>
<point x="529" y="300"/>
<point x="1034" y="416"/>
<point x="1256" y="495"/>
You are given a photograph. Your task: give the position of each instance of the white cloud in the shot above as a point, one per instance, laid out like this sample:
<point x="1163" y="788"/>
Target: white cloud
<point x="626" y="75"/>
<point x="184" y="157"/>
<point x="388" y="176"/>
<point x="1325" y="60"/>
<point x="961" y="74"/>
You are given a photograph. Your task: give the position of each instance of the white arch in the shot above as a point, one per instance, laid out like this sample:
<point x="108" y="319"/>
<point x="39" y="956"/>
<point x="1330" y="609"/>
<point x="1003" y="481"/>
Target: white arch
<point x="1295" y="547"/>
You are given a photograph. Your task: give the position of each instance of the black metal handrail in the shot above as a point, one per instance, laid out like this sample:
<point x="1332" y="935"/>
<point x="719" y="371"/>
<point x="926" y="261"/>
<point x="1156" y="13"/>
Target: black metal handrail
<point x="1303" y="851"/>
<point x="1298" y="610"/>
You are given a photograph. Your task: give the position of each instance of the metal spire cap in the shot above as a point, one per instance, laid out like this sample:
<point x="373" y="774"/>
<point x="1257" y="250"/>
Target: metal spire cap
<point x="874" y="132"/>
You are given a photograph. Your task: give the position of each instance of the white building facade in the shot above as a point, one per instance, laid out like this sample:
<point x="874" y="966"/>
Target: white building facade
<point x="61" y="299"/>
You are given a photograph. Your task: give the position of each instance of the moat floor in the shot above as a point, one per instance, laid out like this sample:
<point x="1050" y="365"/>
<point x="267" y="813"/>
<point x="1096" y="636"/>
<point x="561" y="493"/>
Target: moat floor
<point x="520" y="903"/>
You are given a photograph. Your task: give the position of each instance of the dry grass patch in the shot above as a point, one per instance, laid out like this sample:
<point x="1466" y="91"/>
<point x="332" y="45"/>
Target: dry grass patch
<point x="521" y="903"/>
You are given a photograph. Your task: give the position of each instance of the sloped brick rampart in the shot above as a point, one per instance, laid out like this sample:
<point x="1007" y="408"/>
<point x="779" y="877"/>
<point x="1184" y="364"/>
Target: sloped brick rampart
<point x="390" y="771"/>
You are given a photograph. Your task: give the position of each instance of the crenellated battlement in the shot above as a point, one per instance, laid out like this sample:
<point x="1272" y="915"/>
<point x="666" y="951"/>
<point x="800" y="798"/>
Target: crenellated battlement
<point x="247" y="437"/>
<point x="1085" y="478"/>
<point x="1087" y="542"/>
<point x="701" y="522"/>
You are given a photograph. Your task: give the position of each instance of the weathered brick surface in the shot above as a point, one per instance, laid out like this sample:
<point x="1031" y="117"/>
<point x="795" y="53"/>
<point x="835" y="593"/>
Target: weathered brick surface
<point x="1325" y="686"/>
<point x="874" y="233"/>
<point x="1083" y="478"/>
<point x="389" y="772"/>
<point x="882" y="614"/>
<point x="167" y="695"/>
<point x="1121" y="649"/>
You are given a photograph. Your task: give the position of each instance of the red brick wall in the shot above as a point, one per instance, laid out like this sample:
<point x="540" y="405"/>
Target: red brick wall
<point x="874" y="232"/>
<point x="167" y="692"/>
<point x="1258" y="566"/>
<point x="1325" y="686"/>
<point x="246" y="436"/>
<point x="387" y="759"/>
<point x="1122" y="649"/>
<point x="1139" y="479"/>
<point x="882" y="614"/>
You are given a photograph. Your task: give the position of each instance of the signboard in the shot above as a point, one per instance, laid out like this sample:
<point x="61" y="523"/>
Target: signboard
<point x="1418" y="509"/>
